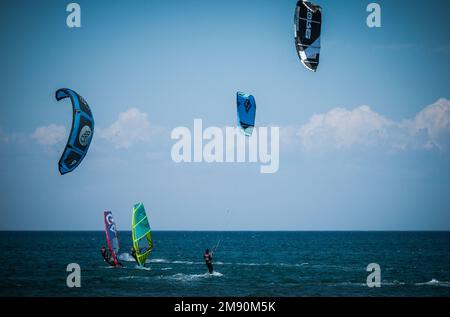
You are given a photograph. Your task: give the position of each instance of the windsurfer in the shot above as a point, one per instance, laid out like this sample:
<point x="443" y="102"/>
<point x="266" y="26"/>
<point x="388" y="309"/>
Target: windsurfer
<point x="133" y="254"/>
<point x="107" y="257"/>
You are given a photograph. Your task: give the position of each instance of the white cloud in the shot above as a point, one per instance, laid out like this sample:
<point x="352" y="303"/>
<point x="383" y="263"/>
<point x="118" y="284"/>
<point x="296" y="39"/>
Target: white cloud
<point x="50" y="135"/>
<point x="340" y="128"/>
<point x="132" y="126"/>
<point x="434" y="122"/>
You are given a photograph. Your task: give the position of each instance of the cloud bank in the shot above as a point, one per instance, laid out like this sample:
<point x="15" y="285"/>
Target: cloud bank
<point x="337" y="129"/>
<point x="341" y="128"/>
<point x="49" y="135"/>
<point x="132" y="126"/>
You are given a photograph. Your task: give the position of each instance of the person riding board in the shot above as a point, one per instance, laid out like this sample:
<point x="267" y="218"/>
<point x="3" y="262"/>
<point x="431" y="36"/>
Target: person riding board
<point x="208" y="260"/>
<point x="106" y="254"/>
<point x="133" y="254"/>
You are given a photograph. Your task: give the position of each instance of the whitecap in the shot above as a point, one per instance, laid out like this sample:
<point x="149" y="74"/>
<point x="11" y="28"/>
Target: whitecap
<point x="192" y="277"/>
<point x="435" y="282"/>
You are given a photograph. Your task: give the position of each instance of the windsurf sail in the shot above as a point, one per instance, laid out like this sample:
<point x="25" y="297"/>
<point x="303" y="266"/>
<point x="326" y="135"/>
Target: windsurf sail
<point x="307" y="28"/>
<point x="142" y="237"/>
<point x="111" y="236"/>
<point x="246" y="112"/>
<point x="80" y="134"/>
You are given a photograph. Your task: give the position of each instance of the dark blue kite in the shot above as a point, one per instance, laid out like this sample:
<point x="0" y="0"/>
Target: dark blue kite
<point x="81" y="133"/>
<point x="246" y="111"/>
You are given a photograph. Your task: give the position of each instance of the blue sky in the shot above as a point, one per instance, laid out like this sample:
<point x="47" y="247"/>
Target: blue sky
<point x="364" y="141"/>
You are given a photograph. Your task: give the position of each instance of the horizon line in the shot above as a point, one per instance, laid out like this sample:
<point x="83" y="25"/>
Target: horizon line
<point x="244" y="230"/>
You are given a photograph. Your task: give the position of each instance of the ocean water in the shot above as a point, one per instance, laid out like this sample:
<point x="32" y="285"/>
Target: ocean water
<point x="246" y="264"/>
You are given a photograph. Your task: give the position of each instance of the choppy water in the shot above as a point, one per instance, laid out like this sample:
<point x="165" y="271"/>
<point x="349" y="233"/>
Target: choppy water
<point x="246" y="264"/>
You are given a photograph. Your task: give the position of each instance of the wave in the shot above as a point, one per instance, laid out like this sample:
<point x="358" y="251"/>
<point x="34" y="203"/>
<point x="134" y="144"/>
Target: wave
<point x="393" y="283"/>
<point x="269" y="264"/>
<point x="157" y="261"/>
<point x="125" y="257"/>
<point x="144" y="268"/>
<point x="192" y="277"/>
<point x="108" y="267"/>
<point x="241" y="263"/>
<point x="383" y="283"/>
<point x="254" y="264"/>
<point x="128" y="258"/>
<point x="434" y="282"/>
<point x="292" y="265"/>
<point x="348" y="284"/>
<point x="222" y="263"/>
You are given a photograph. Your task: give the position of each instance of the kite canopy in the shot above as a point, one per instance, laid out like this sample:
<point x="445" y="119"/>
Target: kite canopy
<point x="142" y="237"/>
<point x="80" y="134"/>
<point x="111" y="235"/>
<point x="246" y="111"/>
<point x="307" y="27"/>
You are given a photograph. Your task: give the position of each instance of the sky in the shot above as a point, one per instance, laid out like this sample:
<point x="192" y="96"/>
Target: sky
<point x="364" y="142"/>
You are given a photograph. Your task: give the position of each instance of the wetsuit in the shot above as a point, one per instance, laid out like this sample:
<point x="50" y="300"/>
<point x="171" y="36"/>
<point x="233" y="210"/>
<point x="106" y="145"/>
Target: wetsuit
<point x="107" y="258"/>
<point x="104" y="254"/>
<point x="208" y="262"/>
<point x="133" y="254"/>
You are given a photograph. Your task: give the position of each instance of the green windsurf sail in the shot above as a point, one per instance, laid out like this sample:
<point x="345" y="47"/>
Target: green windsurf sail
<point x="142" y="237"/>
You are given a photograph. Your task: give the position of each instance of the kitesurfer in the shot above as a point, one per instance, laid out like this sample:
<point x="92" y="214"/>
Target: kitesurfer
<point x="208" y="260"/>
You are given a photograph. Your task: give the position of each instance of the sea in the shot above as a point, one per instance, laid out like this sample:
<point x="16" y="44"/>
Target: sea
<point x="246" y="263"/>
